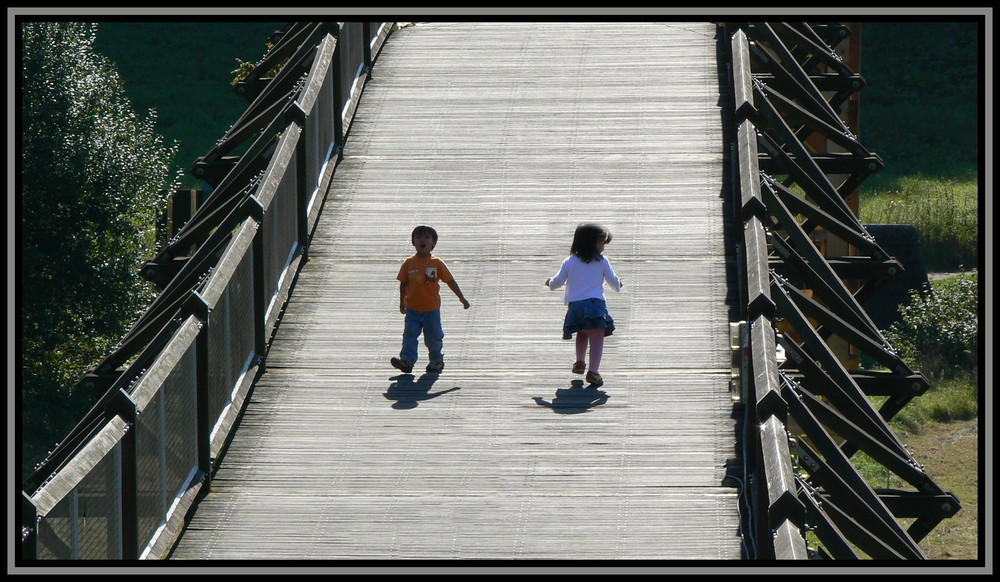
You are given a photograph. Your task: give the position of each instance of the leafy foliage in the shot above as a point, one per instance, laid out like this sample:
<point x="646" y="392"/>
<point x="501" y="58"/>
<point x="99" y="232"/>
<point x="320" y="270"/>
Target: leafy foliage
<point x="244" y="68"/>
<point x="939" y="329"/>
<point x="94" y="179"/>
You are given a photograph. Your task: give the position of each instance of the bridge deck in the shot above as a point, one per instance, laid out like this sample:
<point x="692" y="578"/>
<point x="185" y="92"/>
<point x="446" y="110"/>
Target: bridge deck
<point x="503" y="136"/>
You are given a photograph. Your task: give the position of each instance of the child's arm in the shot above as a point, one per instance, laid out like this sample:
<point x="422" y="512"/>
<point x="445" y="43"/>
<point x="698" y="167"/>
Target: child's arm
<point x="560" y="278"/>
<point x="609" y="275"/>
<point x="458" y="292"/>
<point x="402" y="294"/>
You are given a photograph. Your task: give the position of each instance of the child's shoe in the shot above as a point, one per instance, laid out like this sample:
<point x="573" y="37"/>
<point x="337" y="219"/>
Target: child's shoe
<point x="595" y="379"/>
<point x="405" y="366"/>
<point x="435" y="367"/>
<point x="579" y="367"/>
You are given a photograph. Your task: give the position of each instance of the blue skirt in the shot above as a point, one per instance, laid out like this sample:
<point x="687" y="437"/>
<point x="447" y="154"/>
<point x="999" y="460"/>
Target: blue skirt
<point x="587" y="314"/>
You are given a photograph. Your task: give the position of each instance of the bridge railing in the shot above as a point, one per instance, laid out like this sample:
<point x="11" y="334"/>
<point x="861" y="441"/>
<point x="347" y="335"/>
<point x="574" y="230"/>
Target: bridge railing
<point x="121" y="483"/>
<point x="808" y="414"/>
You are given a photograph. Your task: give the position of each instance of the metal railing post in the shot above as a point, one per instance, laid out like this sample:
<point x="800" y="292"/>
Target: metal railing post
<point x="338" y="96"/>
<point x="260" y="298"/>
<point x="197" y="306"/>
<point x="123" y="405"/>
<point x="366" y="28"/>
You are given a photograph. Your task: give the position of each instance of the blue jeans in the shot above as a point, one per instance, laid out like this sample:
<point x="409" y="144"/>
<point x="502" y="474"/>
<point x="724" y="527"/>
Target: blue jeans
<point x="428" y="322"/>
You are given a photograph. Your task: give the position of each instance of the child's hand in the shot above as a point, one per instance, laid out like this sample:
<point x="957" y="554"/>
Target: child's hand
<point x="465" y="302"/>
<point x="547" y="281"/>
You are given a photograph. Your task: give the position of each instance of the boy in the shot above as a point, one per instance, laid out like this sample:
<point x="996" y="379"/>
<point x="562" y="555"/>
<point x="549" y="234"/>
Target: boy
<point x="420" y="301"/>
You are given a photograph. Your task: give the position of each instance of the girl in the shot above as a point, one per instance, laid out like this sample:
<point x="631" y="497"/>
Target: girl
<point x="584" y="273"/>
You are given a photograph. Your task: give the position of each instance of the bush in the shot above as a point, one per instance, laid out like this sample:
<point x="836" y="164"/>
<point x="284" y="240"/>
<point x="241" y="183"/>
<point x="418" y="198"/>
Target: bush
<point x="938" y="331"/>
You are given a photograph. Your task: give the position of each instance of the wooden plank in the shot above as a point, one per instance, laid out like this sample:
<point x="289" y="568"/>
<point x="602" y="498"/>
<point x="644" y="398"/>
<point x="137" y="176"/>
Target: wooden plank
<point x="503" y="136"/>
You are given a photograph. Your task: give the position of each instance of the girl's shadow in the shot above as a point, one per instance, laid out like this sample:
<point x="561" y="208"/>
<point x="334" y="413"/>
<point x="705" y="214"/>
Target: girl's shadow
<point x="407" y="392"/>
<point x="575" y="399"/>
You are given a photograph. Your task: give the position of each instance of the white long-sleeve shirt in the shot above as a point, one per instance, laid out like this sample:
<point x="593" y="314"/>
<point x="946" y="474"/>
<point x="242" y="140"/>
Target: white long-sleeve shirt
<point x="585" y="280"/>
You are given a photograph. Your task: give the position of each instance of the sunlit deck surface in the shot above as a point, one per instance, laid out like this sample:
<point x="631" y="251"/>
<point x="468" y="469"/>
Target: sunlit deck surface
<point x="504" y="137"/>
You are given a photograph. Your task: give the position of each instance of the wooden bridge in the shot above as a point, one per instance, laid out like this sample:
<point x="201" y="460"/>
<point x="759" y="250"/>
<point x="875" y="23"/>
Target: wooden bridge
<point x="503" y="137"/>
<point x="252" y="414"/>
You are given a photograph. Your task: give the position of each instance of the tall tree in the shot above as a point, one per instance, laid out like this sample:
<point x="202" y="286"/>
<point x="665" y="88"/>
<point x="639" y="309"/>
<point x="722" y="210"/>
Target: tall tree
<point x="93" y="182"/>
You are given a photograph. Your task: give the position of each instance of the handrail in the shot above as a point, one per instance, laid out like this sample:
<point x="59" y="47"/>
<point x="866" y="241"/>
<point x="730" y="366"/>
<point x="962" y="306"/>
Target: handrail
<point x="807" y="414"/>
<point x="122" y="482"/>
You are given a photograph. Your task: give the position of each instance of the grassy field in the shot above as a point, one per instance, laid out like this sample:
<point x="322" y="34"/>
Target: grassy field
<point x="919" y="107"/>
<point x="920" y="112"/>
<point x="949" y="453"/>
<point x="183" y="71"/>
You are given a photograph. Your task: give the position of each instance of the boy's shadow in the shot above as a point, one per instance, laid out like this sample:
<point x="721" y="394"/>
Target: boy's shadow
<point x="575" y="399"/>
<point x="407" y="392"/>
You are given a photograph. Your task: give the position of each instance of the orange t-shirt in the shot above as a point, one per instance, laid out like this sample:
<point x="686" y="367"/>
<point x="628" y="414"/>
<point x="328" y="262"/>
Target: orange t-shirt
<point x="422" y="290"/>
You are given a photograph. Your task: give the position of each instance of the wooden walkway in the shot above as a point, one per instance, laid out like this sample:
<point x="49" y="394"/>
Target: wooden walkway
<point x="503" y="136"/>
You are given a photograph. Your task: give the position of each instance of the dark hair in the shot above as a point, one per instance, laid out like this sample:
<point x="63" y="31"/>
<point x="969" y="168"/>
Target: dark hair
<point x="423" y="229"/>
<point x="585" y="241"/>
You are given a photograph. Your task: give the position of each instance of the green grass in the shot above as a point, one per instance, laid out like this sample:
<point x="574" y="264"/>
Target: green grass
<point x="920" y="106"/>
<point x="944" y="211"/>
<point x="949" y="454"/>
<point x="184" y="71"/>
<point x="920" y="112"/>
<point x="948" y="400"/>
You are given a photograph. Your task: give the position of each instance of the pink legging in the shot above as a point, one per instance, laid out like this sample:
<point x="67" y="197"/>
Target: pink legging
<point x="596" y="339"/>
